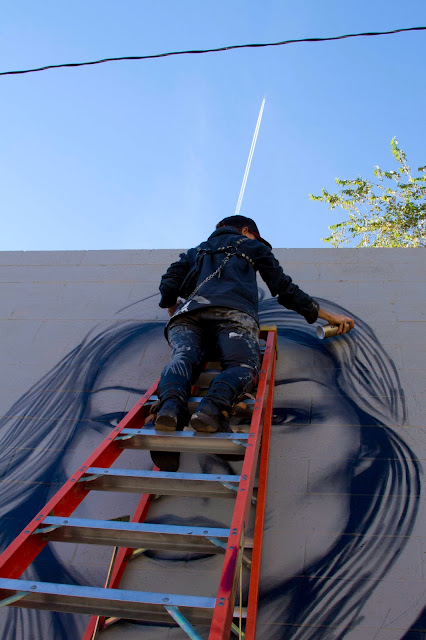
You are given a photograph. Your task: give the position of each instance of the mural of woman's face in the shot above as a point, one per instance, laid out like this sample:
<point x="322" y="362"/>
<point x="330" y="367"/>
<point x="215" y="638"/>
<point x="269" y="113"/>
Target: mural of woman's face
<point x="315" y="435"/>
<point x="317" y="461"/>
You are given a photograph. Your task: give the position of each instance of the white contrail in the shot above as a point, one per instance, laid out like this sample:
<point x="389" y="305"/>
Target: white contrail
<point x="253" y="144"/>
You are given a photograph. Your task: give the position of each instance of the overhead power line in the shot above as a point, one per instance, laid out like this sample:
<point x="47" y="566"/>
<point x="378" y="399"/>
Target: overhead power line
<point x="216" y="50"/>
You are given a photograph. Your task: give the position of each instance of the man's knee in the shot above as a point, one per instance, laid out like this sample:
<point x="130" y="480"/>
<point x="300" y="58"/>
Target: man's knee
<point x="239" y="347"/>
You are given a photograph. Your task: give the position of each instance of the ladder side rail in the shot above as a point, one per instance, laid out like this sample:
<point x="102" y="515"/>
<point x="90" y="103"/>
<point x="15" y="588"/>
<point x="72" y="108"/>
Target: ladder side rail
<point x="25" y="548"/>
<point x="252" y="606"/>
<point x="222" y="617"/>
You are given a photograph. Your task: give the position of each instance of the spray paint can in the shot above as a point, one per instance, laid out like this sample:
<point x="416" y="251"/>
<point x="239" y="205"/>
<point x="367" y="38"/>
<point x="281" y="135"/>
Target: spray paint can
<point x="327" y="331"/>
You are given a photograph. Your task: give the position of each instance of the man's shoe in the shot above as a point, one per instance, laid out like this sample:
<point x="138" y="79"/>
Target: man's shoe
<point x="171" y="416"/>
<point x="166" y="421"/>
<point x="210" y="423"/>
<point x="201" y="421"/>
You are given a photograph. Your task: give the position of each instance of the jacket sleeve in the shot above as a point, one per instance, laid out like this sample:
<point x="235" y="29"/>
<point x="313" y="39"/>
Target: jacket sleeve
<point x="172" y="280"/>
<point x="281" y="285"/>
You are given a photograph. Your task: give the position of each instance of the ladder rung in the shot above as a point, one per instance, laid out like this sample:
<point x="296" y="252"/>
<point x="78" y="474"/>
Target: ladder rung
<point x="184" y="441"/>
<point x="195" y="399"/>
<point x="133" y="535"/>
<point x="135" y="605"/>
<point x="160" y="482"/>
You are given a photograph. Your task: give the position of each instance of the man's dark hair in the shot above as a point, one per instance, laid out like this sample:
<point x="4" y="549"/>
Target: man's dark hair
<point x="239" y="222"/>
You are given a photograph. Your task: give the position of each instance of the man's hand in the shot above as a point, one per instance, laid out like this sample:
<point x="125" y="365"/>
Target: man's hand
<point x="345" y="323"/>
<point x="172" y="310"/>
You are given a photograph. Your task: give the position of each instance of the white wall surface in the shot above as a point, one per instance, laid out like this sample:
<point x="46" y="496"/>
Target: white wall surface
<point x="345" y="534"/>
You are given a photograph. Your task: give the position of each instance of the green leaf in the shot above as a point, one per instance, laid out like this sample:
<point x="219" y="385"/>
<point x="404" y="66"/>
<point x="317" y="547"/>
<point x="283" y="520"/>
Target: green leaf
<point x="379" y="215"/>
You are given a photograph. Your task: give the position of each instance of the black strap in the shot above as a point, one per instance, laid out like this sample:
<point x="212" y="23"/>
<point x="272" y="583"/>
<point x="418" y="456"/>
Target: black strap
<point x="230" y="250"/>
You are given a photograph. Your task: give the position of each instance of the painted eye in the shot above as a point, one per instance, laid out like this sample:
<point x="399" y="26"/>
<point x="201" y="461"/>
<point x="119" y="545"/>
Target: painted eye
<point x="289" y="418"/>
<point x="289" y="415"/>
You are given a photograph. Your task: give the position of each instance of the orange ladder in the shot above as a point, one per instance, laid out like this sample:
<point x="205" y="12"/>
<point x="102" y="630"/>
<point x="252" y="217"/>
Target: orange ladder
<point x="54" y="523"/>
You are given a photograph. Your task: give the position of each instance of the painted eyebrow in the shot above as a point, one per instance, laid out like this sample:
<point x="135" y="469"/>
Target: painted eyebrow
<point x="294" y="380"/>
<point x="120" y="388"/>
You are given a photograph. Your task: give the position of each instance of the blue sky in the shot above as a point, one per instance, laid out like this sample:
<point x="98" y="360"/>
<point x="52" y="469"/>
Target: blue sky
<point x="151" y="154"/>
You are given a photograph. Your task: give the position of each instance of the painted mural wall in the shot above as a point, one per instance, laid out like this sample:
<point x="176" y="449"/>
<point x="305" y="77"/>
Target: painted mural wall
<point x="81" y="338"/>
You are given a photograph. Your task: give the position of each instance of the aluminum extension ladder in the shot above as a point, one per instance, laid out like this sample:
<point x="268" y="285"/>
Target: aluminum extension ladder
<point x="110" y="603"/>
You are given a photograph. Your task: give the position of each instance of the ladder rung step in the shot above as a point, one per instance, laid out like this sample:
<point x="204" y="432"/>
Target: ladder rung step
<point x="196" y="399"/>
<point x="134" y="605"/>
<point x="184" y="441"/>
<point x="161" y="482"/>
<point x="134" y="535"/>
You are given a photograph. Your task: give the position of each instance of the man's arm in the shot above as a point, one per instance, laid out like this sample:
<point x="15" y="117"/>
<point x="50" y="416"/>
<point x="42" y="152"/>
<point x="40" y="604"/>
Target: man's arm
<point x="172" y="281"/>
<point x="279" y="283"/>
<point x="173" y="308"/>
<point x="292" y="297"/>
<point x="345" y="322"/>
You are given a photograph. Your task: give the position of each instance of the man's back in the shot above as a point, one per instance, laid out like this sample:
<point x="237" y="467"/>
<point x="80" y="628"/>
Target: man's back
<point x="222" y="272"/>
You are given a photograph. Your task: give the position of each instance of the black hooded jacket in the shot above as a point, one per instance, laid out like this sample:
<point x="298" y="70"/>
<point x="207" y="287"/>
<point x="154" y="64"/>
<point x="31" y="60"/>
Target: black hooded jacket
<point x="234" y="286"/>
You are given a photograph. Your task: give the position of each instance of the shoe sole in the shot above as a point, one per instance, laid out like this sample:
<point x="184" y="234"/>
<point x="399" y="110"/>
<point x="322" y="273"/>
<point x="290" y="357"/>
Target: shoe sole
<point x="166" y="422"/>
<point x="201" y="422"/>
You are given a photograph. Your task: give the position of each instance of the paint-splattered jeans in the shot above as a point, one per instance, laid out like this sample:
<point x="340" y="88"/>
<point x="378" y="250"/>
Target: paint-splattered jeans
<point x="214" y="333"/>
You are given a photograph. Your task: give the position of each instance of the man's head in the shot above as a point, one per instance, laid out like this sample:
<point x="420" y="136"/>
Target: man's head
<point x="247" y="226"/>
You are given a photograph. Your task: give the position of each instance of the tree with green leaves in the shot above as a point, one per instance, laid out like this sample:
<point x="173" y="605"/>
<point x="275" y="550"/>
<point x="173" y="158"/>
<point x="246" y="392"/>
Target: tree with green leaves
<point x="389" y="212"/>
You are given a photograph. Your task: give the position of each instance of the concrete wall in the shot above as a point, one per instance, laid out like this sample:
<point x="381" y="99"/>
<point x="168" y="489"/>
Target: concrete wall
<point x="81" y="338"/>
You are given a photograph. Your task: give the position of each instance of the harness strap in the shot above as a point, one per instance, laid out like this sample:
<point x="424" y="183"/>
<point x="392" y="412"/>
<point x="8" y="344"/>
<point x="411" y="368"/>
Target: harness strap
<point x="228" y="255"/>
<point x="228" y="251"/>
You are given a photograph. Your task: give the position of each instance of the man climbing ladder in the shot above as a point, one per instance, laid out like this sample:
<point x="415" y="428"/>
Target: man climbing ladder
<point x="220" y="315"/>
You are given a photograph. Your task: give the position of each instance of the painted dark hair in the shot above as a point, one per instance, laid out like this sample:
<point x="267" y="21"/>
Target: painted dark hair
<point x="327" y="598"/>
<point x="48" y="417"/>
